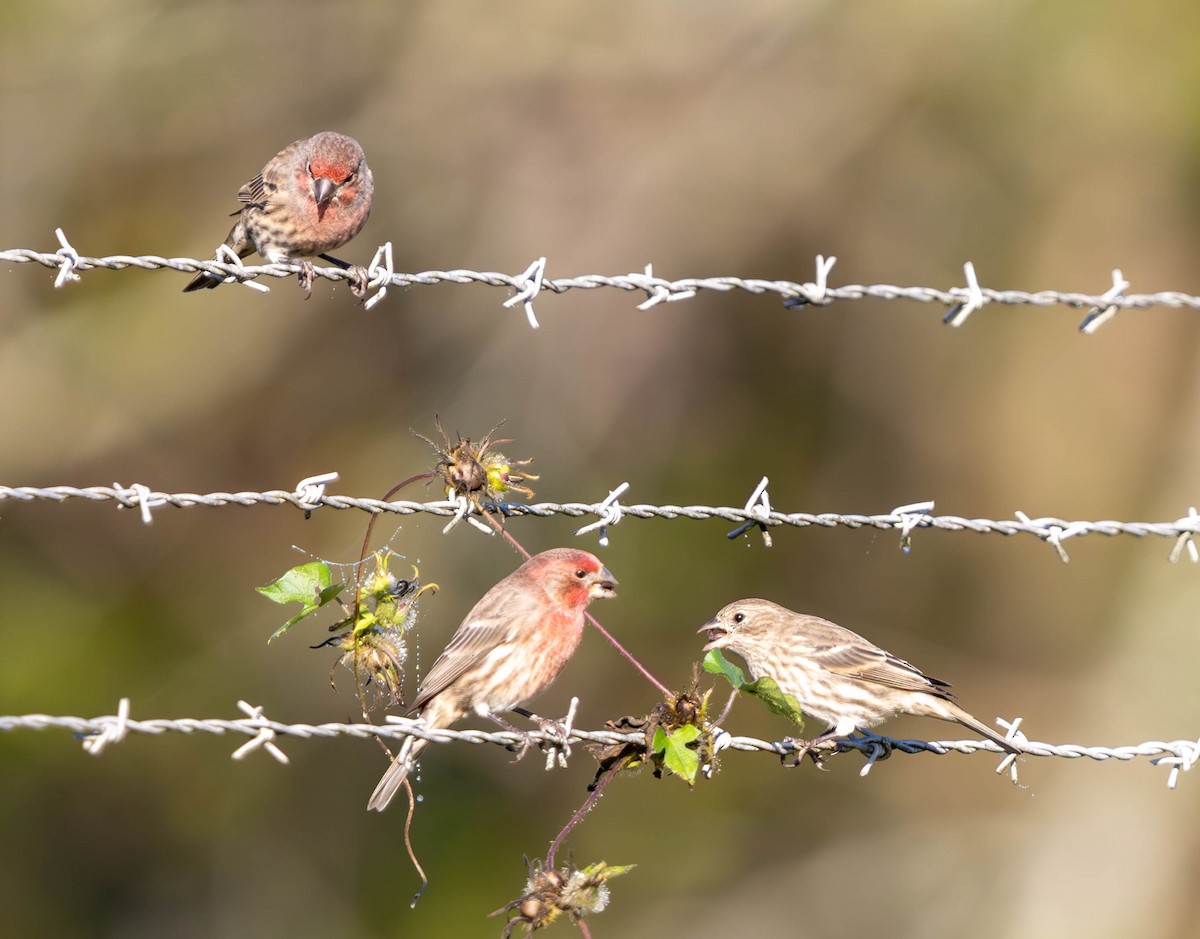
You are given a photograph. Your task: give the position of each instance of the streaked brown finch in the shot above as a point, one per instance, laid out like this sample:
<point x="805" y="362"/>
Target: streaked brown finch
<point x="313" y="196"/>
<point x="836" y="675"/>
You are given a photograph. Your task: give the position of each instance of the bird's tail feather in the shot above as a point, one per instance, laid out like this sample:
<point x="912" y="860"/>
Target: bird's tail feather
<point x="237" y="241"/>
<point x="394" y="778"/>
<point x="958" y="714"/>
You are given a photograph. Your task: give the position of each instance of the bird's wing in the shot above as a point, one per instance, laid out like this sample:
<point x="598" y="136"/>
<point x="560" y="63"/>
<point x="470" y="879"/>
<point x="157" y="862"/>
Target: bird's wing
<point x="493" y="622"/>
<point x="860" y="659"/>
<point x="254" y="192"/>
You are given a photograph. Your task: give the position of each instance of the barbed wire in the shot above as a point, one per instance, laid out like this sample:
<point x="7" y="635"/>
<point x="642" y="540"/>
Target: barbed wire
<point x="960" y="302"/>
<point x="99" y="732"/>
<point x="310" y="495"/>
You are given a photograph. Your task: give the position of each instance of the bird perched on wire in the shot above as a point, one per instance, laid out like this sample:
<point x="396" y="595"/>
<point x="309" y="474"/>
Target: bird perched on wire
<point x="834" y="674"/>
<point x="313" y="196"/>
<point x="508" y="649"/>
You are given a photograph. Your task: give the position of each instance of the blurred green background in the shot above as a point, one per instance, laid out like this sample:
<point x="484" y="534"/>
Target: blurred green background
<point x="1048" y="143"/>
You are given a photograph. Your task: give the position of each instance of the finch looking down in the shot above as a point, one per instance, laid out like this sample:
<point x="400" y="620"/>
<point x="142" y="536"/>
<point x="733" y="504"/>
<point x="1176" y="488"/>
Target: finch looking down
<point x="313" y="196"/>
<point x="508" y="649"/>
<point x="836" y="675"/>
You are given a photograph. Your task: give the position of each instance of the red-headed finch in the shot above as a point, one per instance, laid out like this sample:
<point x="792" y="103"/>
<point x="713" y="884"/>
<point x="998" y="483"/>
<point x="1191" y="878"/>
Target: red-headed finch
<point x="313" y="196"/>
<point x="510" y="647"/>
<point x="836" y="675"/>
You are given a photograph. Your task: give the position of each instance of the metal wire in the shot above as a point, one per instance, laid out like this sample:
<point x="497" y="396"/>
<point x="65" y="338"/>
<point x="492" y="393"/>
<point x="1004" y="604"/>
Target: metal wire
<point x="608" y="512"/>
<point x="99" y="732"/>
<point x="961" y="302"/>
<point x="1180" y="755"/>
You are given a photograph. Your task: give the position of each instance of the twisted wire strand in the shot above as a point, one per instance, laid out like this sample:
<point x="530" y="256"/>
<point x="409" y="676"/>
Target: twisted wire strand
<point x="98" y="732"/>
<point x="1050" y="529"/>
<point x="657" y="289"/>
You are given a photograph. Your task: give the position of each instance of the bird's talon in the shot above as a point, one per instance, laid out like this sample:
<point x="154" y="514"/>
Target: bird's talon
<point x="520" y="749"/>
<point x="305" y="277"/>
<point x="796" y="757"/>
<point x="358" y="281"/>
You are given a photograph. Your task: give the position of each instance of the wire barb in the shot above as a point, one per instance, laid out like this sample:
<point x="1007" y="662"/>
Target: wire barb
<point x="379" y="275"/>
<point x="113" y="732"/>
<point x="911" y="516"/>
<point x="226" y="253"/>
<point x="140" y="496"/>
<point x="1187" y="539"/>
<point x="1053" y="533"/>
<point x="310" y="491"/>
<point x="975" y="299"/>
<point x="758" y="507"/>
<point x="816" y="292"/>
<point x="531" y="285"/>
<point x="659" y="290"/>
<point x="70" y="261"/>
<point x="264" y="739"/>
<point x="1182" y="762"/>
<point x="610" y="514"/>
<point x="559" y="751"/>
<point x="463" y="507"/>
<point x="1107" y="308"/>
<point x="1012" y="732"/>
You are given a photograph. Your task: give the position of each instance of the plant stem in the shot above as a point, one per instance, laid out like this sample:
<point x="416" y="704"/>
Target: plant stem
<point x="582" y="811"/>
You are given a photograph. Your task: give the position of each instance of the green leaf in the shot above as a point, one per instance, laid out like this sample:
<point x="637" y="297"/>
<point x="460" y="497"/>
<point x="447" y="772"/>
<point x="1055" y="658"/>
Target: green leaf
<point x="715" y="663"/>
<point x="677" y="756"/>
<point x="765" y="688"/>
<point x="300" y="584"/>
<point x="767" y="691"/>
<point x="310" y="585"/>
<point x="330" y="593"/>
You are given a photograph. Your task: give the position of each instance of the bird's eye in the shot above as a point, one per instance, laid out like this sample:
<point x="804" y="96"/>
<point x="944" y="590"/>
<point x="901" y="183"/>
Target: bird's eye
<point x="581" y="573"/>
<point x="739" y="617"/>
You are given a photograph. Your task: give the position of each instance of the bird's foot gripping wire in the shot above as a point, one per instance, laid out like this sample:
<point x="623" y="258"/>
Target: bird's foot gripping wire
<point x="816" y="750"/>
<point x="305" y="278"/>
<point x="359" y="279"/>
<point x="525" y="739"/>
<point x="557" y="739"/>
<point x="802" y="748"/>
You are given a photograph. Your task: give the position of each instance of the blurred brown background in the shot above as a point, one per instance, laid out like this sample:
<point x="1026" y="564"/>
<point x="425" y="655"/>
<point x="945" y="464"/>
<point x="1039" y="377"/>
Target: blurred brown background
<point x="1047" y="143"/>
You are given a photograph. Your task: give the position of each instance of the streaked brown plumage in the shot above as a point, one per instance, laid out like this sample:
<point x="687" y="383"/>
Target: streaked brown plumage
<point x="313" y="196"/>
<point x="836" y="675"/>
<point x="508" y="649"/>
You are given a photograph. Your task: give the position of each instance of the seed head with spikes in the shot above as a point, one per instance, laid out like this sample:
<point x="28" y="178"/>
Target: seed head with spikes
<point x="477" y="471"/>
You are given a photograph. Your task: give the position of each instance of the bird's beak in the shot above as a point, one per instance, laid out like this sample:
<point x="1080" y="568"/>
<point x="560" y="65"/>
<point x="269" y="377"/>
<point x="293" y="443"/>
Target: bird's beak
<point x="323" y="190"/>
<point x="717" y="634"/>
<point x="603" y="584"/>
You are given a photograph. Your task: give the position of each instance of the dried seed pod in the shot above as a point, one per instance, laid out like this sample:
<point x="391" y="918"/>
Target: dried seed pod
<point x="577" y="892"/>
<point x="476" y="470"/>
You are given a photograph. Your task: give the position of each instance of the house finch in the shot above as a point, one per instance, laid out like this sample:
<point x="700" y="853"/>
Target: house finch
<point x="313" y="196"/>
<point x="836" y="675"/>
<point x="510" y="647"/>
